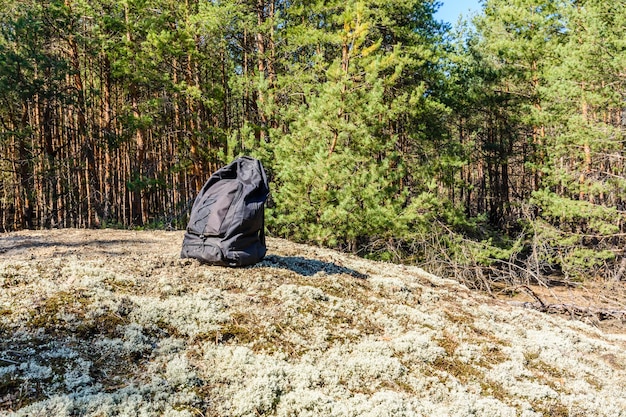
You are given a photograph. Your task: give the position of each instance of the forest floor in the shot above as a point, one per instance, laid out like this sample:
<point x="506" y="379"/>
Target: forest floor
<point x="113" y="323"/>
<point x="597" y="302"/>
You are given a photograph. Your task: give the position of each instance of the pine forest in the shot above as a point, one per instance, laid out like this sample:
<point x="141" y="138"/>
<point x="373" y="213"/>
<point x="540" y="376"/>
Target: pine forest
<point x="493" y="149"/>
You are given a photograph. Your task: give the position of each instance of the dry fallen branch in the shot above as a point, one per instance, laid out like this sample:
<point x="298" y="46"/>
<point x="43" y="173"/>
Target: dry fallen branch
<point x="9" y="361"/>
<point x="574" y="310"/>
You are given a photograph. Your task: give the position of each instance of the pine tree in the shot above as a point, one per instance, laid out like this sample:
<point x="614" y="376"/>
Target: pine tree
<point x="33" y="73"/>
<point x="341" y="151"/>
<point x="584" y="183"/>
<point x="550" y="65"/>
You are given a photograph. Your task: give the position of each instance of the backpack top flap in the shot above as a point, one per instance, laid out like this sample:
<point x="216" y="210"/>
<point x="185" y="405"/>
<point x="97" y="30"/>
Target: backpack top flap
<point x="251" y="175"/>
<point x="245" y="218"/>
<point x="223" y="200"/>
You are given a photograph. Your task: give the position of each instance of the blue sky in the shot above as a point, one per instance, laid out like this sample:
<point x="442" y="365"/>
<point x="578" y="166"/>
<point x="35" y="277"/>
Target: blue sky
<point x="451" y="9"/>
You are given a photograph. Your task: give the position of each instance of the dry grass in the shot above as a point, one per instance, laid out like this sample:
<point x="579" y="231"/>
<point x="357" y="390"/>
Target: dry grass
<point x="113" y="323"/>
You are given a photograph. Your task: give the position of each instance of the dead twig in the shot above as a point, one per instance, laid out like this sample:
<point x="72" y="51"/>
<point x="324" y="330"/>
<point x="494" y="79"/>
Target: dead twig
<point x="574" y="310"/>
<point x="9" y="361"/>
<point x="533" y="294"/>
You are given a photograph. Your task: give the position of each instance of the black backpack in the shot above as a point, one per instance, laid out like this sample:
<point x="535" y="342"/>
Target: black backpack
<point x="226" y="224"/>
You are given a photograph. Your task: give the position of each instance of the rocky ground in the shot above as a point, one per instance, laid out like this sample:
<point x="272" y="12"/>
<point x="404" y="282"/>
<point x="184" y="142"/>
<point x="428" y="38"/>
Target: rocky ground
<point x="113" y="323"/>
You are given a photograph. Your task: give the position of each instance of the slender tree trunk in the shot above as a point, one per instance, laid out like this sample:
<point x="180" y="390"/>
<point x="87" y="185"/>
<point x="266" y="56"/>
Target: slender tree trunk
<point x="108" y="131"/>
<point x="262" y="69"/>
<point x="586" y="169"/>
<point x="138" y="208"/>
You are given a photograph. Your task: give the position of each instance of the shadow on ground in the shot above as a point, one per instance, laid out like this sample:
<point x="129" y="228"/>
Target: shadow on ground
<point x="308" y="267"/>
<point x="14" y="245"/>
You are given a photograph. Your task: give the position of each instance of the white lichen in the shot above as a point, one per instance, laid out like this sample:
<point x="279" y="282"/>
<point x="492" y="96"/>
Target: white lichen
<point x="131" y="330"/>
